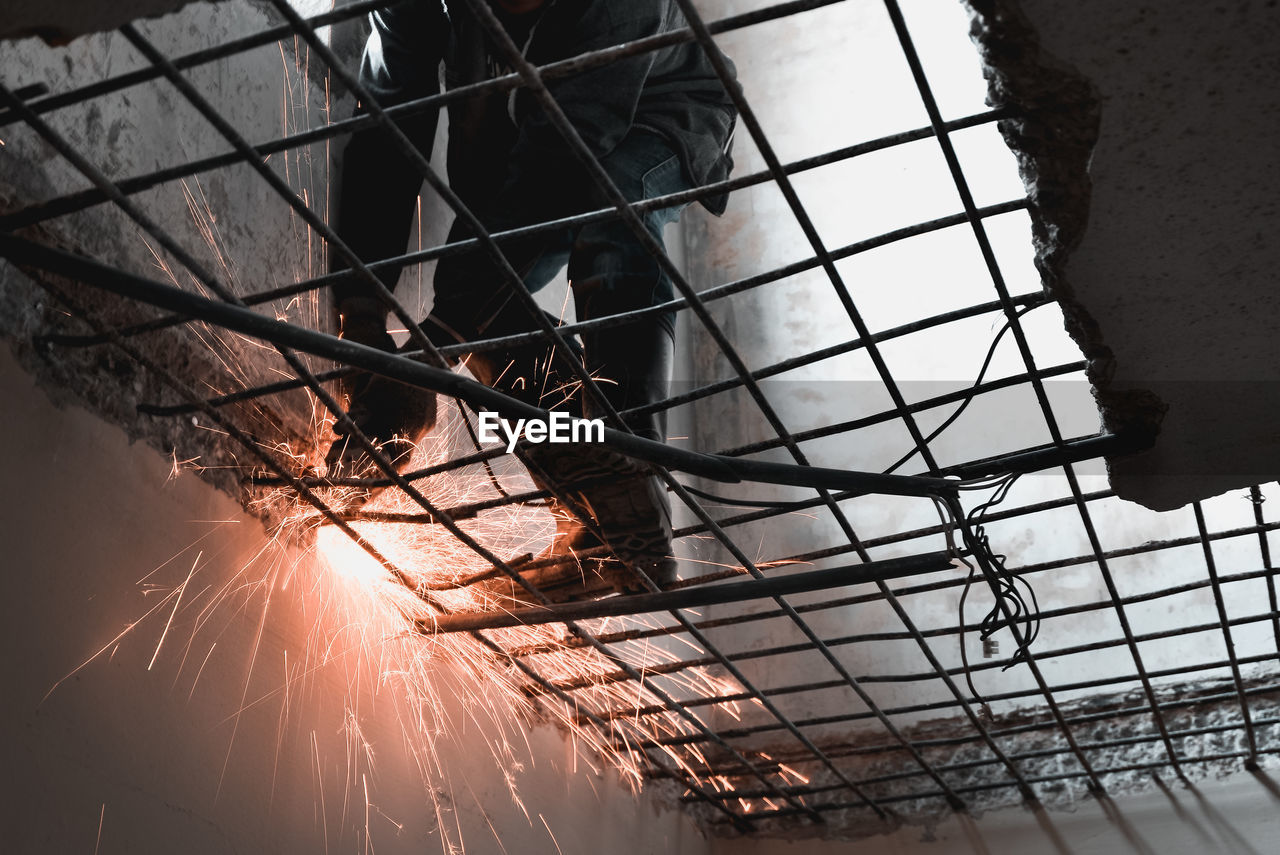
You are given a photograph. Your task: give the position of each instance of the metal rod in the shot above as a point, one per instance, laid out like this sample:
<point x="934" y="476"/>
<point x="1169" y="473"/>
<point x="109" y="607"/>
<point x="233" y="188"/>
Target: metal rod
<point x="937" y="632"/>
<point x="241" y="319"/>
<point x="564" y="68"/>
<point x="1047" y="724"/>
<point x="937" y="705"/>
<point x="922" y="676"/>
<point x="1256" y="499"/>
<point x="637" y="604"/>
<point x="920" y="406"/>
<point x="1225" y="623"/>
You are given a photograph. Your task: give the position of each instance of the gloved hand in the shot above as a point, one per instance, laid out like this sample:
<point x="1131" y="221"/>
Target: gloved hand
<point x="390" y="413"/>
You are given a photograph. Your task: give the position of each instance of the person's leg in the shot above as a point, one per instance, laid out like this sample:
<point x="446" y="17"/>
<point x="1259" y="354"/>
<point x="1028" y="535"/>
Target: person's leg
<point x="377" y="187"/>
<point x="472" y="301"/>
<point x="611" y="272"/>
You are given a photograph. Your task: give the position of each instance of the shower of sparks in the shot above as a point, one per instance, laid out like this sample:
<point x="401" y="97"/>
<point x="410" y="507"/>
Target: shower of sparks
<point x="437" y="673"/>
<point x="448" y="689"/>
<point x="102" y="815"/>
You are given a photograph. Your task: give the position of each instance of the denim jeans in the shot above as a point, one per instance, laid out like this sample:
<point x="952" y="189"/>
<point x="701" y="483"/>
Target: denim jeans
<point x="609" y="269"/>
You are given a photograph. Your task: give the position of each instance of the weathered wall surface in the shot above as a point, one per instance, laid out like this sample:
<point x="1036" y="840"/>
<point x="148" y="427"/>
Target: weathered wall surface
<point x="230" y="220"/>
<point x="1167" y="271"/>
<point x="63" y="20"/>
<point x="254" y="725"/>
<point x="266" y="721"/>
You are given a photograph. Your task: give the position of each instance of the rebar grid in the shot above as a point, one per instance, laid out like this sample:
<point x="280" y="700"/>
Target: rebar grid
<point x="751" y="780"/>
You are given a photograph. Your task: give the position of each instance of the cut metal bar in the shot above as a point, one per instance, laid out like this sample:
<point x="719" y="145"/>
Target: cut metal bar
<point x="1053" y="455"/>
<point x="733" y="592"/>
<point x="244" y="320"/>
<point x="937" y="632"/>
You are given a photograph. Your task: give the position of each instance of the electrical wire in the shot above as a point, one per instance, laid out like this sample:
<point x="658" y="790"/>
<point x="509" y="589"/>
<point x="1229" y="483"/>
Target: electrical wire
<point x="983" y="483"/>
<point x="1021" y="609"/>
<point x="973" y="390"/>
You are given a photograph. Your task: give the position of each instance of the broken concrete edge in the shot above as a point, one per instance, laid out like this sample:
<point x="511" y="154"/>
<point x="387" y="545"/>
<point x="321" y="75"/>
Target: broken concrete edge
<point x="60" y="23"/>
<point x="1041" y="754"/>
<point x="107" y="382"/>
<point x="1052" y="136"/>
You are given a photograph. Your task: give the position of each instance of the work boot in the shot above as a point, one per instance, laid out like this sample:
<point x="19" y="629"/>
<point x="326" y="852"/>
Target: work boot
<point x="615" y="496"/>
<point x="607" y="491"/>
<point x="572" y="568"/>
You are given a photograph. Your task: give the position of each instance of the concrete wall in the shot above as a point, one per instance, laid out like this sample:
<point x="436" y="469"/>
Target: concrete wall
<point x="62" y="21"/>
<point x="230" y="220"/>
<point x="174" y="682"/>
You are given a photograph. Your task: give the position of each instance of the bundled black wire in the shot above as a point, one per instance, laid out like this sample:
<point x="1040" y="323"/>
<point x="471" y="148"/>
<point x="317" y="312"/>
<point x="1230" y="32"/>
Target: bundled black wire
<point x="1022" y="609"/>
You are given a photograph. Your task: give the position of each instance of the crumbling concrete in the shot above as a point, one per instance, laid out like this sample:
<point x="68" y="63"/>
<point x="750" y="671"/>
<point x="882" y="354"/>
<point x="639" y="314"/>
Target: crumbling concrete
<point x="1235" y="814"/>
<point x="1041" y="756"/>
<point x="228" y="219"/>
<point x="1145" y="133"/>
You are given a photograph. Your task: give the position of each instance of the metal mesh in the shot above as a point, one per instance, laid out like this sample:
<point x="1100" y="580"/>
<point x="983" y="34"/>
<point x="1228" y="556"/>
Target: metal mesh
<point x="836" y="740"/>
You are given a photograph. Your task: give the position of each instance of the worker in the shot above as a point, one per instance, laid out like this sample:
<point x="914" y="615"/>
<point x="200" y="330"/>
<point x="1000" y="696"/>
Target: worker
<point x="658" y="122"/>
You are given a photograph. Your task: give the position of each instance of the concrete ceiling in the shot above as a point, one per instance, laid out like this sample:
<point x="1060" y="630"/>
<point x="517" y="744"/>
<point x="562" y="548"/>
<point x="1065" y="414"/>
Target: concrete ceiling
<point x="1163" y="252"/>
